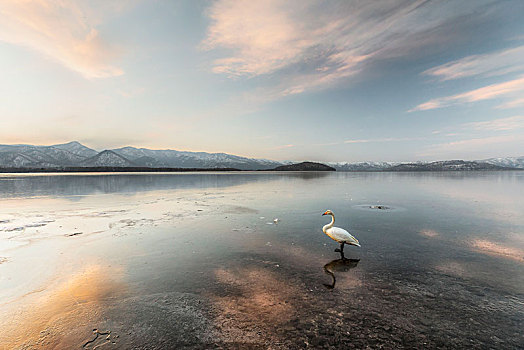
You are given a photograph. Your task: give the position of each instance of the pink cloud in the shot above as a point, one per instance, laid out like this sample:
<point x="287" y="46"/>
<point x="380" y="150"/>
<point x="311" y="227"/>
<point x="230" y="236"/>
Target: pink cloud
<point x="62" y="31"/>
<point x="509" y="89"/>
<point x="492" y="64"/>
<point x="519" y="102"/>
<point x="311" y="45"/>
<point x="390" y="139"/>
<point x="284" y="146"/>
<point x="482" y="146"/>
<point x="510" y="123"/>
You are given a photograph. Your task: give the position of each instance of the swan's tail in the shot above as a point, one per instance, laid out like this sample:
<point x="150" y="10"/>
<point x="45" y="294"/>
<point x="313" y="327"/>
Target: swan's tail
<point x="354" y="241"/>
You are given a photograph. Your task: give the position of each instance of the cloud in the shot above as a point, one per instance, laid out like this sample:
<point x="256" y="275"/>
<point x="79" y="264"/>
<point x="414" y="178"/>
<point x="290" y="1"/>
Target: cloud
<point x="391" y="139"/>
<point x="514" y="103"/>
<point x="284" y="146"/>
<point x="510" y="123"/>
<point x="307" y="45"/>
<point x="477" y="147"/>
<point x="511" y="89"/>
<point x="62" y="31"/>
<point x="487" y="65"/>
<point x="472" y="143"/>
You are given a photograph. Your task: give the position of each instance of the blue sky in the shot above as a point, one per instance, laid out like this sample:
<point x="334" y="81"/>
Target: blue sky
<point x="285" y="80"/>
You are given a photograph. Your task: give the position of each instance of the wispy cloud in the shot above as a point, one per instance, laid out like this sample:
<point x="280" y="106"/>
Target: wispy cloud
<point x="510" y="123"/>
<point x="389" y="139"/>
<point x="312" y="45"/>
<point x="514" y="103"/>
<point x="475" y="146"/>
<point x="488" y="65"/>
<point x="283" y="146"/>
<point x="492" y="64"/>
<point x="61" y="30"/>
<point x="511" y="89"/>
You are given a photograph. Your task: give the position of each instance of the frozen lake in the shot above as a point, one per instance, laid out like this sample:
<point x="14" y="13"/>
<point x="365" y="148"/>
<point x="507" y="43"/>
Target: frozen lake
<point x="196" y="260"/>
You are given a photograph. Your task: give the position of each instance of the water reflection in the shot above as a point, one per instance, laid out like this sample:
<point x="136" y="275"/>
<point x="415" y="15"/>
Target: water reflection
<point x="203" y="269"/>
<point x="65" y="314"/>
<point x="72" y="185"/>
<point x="498" y="250"/>
<point x="339" y="265"/>
<point x="308" y="175"/>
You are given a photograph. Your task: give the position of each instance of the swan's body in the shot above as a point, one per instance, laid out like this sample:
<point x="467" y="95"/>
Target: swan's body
<point x="338" y="234"/>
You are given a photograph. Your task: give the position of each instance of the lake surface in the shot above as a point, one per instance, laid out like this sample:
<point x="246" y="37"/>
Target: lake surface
<point x="197" y="260"/>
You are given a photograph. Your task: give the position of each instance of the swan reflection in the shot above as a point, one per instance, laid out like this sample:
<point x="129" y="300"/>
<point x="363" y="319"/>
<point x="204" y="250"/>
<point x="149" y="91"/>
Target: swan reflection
<point x="339" y="265"/>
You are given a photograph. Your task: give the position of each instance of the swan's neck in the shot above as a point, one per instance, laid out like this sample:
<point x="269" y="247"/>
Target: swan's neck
<point x="330" y="225"/>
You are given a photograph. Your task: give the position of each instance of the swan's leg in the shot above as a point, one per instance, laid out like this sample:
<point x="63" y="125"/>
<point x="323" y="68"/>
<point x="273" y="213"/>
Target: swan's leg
<point x="341" y="249"/>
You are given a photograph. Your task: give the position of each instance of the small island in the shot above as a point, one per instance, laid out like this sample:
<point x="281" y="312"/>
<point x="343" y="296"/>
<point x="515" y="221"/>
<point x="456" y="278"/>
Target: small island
<point x="305" y="166"/>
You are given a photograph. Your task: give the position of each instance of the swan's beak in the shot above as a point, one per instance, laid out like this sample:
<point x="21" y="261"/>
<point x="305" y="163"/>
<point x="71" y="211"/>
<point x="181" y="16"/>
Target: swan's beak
<point x="323" y="214"/>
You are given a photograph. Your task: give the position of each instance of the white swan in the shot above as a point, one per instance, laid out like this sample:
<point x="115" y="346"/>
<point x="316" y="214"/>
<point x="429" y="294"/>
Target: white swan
<point x="338" y="234"/>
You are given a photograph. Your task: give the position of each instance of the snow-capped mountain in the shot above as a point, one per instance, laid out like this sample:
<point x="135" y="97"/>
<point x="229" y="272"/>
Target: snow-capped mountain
<point x="179" y="159"/>
<point x="74" y="154"/>
<point x="68" y="154"/>
<point x="362" y="166"/>
<point x="446" y="165"/>
<point x="107" y="158"/>
<point x="16" y="160"/>
<point x="77" y="148"/>
<point x="508" y="162"/>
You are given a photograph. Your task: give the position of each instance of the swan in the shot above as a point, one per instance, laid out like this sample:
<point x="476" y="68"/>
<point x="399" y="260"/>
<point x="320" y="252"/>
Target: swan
<point x="338" y="234"/>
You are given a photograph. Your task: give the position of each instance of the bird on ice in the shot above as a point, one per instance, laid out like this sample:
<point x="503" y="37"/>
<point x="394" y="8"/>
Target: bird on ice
<point x="338" y="234"/>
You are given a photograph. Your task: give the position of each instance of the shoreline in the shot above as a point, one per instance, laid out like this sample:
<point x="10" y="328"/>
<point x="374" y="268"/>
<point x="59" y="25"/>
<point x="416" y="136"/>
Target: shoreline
<point x="109" y="170"/>
<point x="224" y="170"/>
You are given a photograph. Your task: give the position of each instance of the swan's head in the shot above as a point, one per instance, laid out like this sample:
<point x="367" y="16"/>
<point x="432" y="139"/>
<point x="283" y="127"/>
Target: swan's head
<point x="328" y="212"/>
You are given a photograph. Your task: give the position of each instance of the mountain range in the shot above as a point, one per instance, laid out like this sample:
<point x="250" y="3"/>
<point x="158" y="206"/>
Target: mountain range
<point x="74" y="154"/>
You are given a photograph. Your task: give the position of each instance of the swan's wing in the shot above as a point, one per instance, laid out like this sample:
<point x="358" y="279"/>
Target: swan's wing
<point x="341" y="235"/>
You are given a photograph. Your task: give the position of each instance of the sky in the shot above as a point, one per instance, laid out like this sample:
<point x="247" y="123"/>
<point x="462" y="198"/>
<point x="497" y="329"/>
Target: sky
<point x="285" y="80"/>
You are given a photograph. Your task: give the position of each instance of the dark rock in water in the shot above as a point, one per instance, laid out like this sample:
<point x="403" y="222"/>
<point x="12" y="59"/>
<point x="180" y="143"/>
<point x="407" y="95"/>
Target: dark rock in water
<point x="380" y="207"/>
<point x="305" y="166"/>
<point x="74" y="234"/>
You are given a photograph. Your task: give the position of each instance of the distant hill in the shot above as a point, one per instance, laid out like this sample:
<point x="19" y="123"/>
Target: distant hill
<point x="77" y="148"/>
<point x="508" y="162"/>
<point x="305" y="166"/>
<point x="74" y="155"/>
<point x="362" y="166"/>
<point x="108" y="159"/>
<point x="448" y="165"/>
<point x="44" y="156"/>
<point x="180" y="159"/>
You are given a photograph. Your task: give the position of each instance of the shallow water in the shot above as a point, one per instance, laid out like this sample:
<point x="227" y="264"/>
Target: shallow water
<point x="196" y="260"/>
